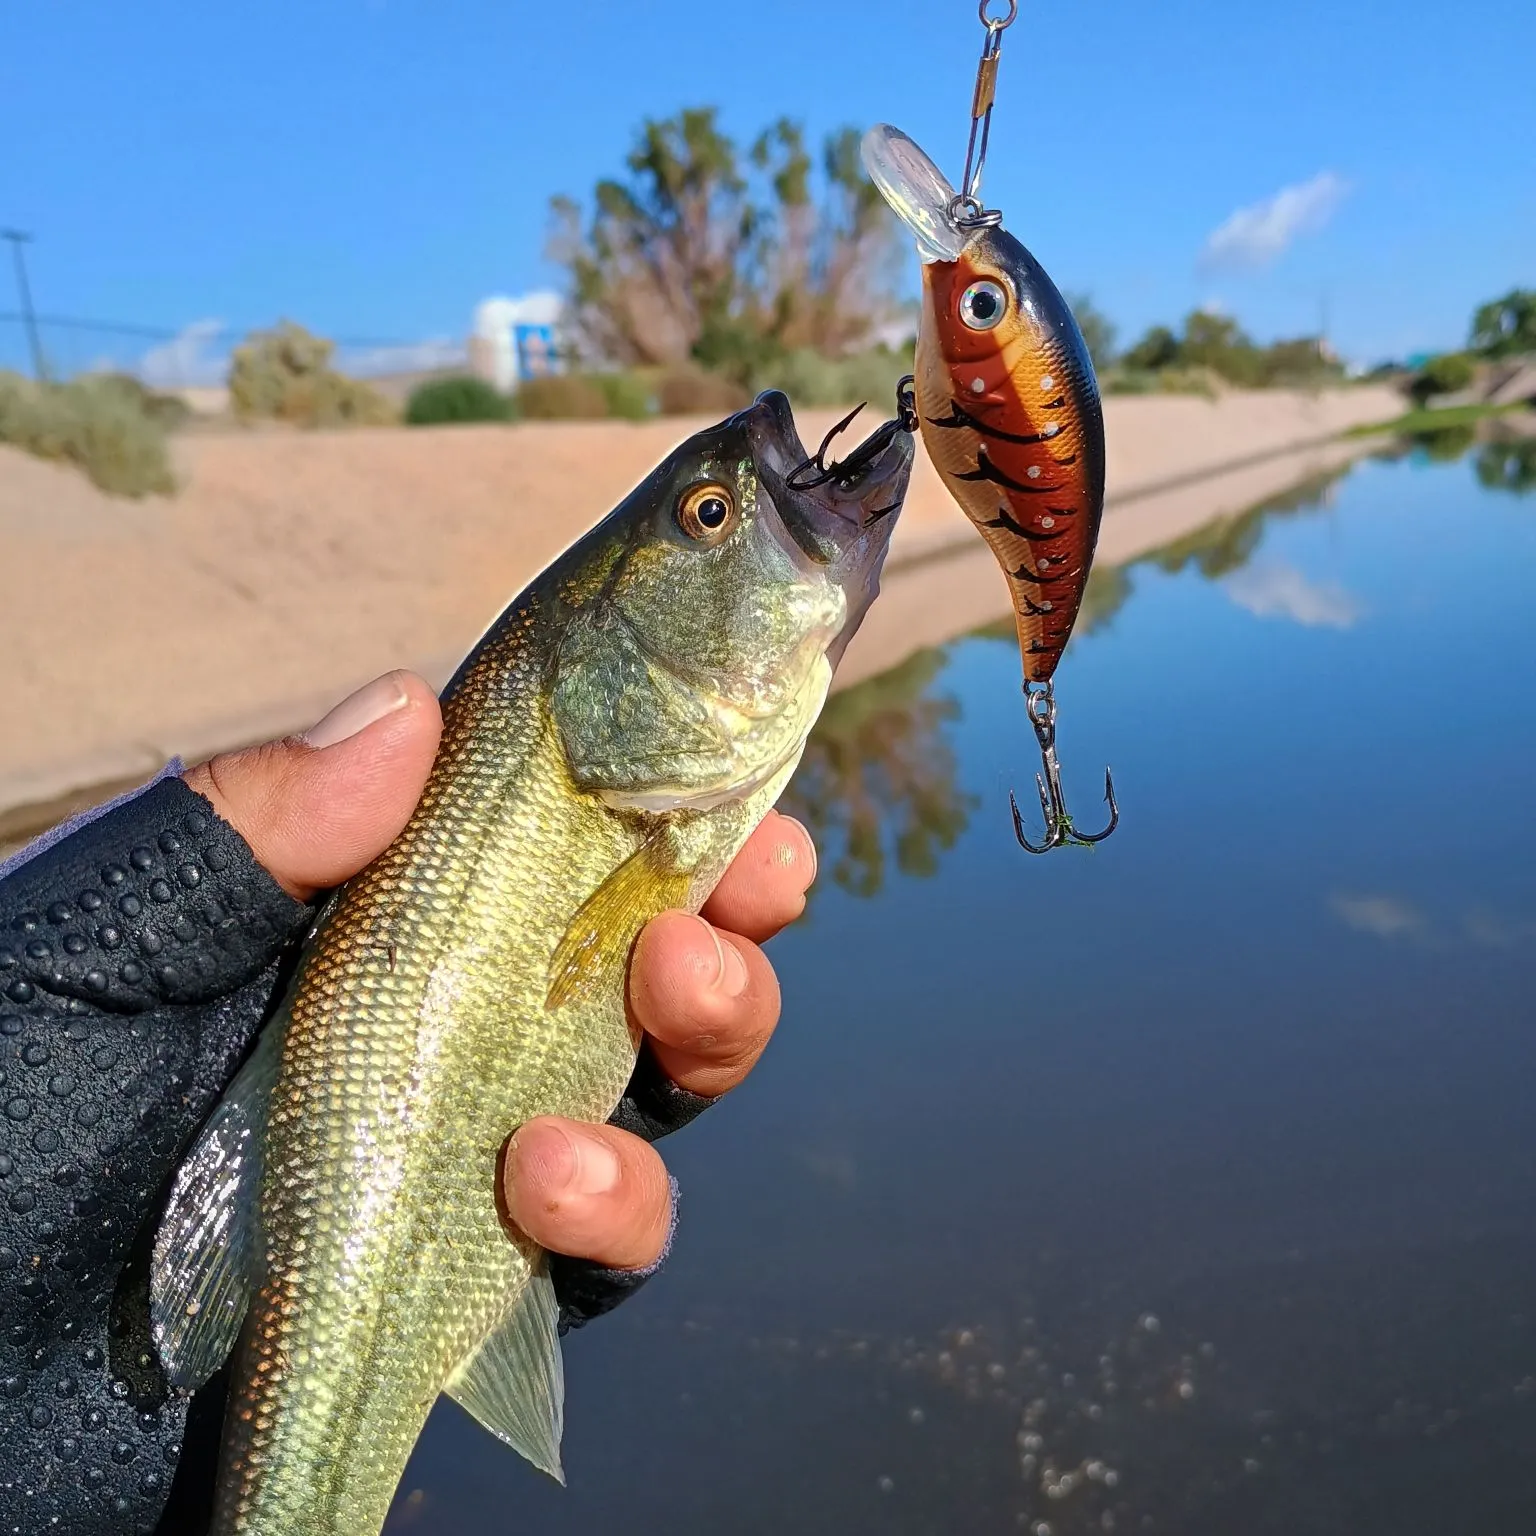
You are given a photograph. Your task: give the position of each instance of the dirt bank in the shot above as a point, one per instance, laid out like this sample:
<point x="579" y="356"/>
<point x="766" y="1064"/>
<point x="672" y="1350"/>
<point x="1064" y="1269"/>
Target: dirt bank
<point x="292" y="567"/>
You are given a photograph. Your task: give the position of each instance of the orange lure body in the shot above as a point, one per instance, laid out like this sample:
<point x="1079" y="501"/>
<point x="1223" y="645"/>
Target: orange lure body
<point x="1010" y="414"/>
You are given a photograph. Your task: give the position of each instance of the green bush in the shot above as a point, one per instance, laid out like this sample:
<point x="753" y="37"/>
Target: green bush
<point x="170" y="411"/>
<point x="439" y="402"/>
<point x="285" y="374"/>
<point x="561" y="397"/>
<point x="1443" y="375"/>
<point x="628" y="395"/>
<point x="91" y="423"/>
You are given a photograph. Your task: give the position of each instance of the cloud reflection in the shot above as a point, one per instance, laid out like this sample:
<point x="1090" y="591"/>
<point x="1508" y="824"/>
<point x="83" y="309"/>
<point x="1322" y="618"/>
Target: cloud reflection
<point x="1274" y="590"/>
<point x="1383" y="917"/>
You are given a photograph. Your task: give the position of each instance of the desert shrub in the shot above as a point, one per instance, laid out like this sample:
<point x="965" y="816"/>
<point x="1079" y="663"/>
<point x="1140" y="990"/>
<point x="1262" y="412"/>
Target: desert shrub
<point x="91" y="424"/>
<point x="809" y="379"/>
<point x="285" y="374"/>
<point x="690" y="391"/>
<point x="1130" y="381"/>
<point x="169" y="411"/>
<point x="629" y="396"/>
<point x="562" y="397"/>
<point x="439" y="402"/>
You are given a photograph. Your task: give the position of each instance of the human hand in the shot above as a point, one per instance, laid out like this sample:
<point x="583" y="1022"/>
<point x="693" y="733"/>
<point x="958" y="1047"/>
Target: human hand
<point x="141" y="948"/>
<point x="316" y="810"/>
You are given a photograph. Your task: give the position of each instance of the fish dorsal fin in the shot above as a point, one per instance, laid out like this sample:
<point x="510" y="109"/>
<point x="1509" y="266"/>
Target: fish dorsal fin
<point x="207" y="1249"/>
<point x="606" y="925"/>
<point x="514" y="1384"/>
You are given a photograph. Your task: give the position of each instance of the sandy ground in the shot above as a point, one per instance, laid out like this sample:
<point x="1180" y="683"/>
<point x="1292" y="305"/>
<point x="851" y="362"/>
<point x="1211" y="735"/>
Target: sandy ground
<point x="292" y="567"/>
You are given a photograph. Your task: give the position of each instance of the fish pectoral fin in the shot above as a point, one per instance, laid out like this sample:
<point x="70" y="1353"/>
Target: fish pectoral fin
<point x="207" y="1247"/>
<point x="514" y="1384"/>
<point x="610" y="919"/>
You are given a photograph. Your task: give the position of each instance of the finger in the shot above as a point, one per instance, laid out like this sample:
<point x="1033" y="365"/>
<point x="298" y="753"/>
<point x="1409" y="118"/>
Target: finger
<point x="764" y="889"/>
<point x="708" y="1000"/>
<point x="316" y="808"/>
<point x="589" y="1191"/>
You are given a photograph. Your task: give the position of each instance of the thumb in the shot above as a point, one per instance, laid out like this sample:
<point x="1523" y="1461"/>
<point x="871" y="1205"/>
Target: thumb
<point x="316" y="808"/>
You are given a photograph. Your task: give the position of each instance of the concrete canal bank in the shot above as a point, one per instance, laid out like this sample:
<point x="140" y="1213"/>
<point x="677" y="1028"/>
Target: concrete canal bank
<point x="292" y="567"/>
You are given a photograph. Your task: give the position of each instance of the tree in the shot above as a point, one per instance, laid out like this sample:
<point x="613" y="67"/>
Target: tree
<point x="1097" y="328"/>
<point x="1159" y="348"/>
<point x="1219" y="343"/>
<point x="1506" y="326"/>
<point x="726" y="260"/>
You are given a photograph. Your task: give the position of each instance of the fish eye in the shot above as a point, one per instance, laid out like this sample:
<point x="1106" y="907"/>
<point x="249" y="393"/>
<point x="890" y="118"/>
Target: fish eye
<point x="983" y="305"/>
<point x="707" y="512"/>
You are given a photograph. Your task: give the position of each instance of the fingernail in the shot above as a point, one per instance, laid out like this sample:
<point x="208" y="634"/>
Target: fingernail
<point x="597" y="1167"/>
<point x="733" y="969"/>
<point x="381" y="697"/>
<point x="807" y="848"/>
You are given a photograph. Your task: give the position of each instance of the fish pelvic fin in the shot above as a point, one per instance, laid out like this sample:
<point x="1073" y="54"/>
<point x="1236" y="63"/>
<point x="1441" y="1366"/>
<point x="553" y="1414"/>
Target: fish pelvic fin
<point x="605" y="927"/>
<point x="207" y="1252"/>
<point x="514" y="1384"/>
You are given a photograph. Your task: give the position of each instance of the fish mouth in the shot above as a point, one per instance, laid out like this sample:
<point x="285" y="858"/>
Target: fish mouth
<point x="836" y="515"/>
<point x="839" y="522"/>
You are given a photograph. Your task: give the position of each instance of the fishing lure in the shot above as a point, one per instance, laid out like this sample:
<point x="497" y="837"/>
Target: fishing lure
<point x="1009" y="409"/>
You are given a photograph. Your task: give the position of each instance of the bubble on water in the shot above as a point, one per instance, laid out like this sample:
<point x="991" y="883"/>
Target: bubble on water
<point x="1042" y="1528"/>
<point x="1111" y="1477"/>
<point x="1031" y="1441"/>
<point x="1186" y="1390"/>
<point x="886" y="1485"/>
<point x="915" y="1415"/>
<point x="1250" y="1464"/>
<point x="965" y="1338"/>
<point x="1149" y="1322"/>
<point x="1095" y="1412"/>
<point x="995" y="1371"/>
<point x="1095" y="1471"/>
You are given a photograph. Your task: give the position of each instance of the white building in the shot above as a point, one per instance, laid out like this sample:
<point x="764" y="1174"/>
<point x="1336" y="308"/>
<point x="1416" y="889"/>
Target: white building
<point x="513" y="337"/>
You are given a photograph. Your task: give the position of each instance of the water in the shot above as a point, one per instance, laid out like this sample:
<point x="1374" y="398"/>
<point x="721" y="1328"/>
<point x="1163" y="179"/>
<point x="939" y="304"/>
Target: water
<point x="1184" y="1186"/>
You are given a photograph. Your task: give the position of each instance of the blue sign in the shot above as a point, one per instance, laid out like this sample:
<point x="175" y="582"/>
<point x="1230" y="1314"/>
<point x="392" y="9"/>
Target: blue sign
<point x="536" y="354"/>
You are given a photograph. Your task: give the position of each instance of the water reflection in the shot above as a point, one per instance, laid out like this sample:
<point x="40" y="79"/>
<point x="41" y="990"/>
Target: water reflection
<point x="879" y="771"/>
<point x="1186" y="1188"/>
<point x="1508" y="464"/>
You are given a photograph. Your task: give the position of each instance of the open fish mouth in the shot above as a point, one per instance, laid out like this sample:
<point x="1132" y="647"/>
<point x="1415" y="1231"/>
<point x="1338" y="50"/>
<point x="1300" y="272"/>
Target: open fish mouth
<point x="831" y="512"/>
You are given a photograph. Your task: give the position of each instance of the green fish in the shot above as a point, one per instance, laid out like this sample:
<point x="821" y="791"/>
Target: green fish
<point x="607" y="748"/>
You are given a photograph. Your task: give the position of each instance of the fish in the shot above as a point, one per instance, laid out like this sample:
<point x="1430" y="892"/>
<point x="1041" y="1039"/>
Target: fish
<point x="607" y="748"/>
<point x="1007" y="397"/>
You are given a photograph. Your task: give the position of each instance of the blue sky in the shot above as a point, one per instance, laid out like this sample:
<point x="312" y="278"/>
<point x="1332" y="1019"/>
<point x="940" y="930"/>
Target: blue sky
<point x="375" y="167"/>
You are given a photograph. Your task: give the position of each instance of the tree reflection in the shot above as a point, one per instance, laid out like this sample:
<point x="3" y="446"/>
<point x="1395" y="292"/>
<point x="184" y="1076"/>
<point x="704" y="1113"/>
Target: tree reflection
<point x="1508" y="464"/>
<point x="1227" y="544"/>
<point x="880" y="757"/>
<point x="1444" y="445"/>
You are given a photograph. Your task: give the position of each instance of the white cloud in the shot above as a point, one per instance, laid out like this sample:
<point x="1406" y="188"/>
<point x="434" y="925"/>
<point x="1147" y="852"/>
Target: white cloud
<point x="1254" y="236"/>
<point x="409" y="357"/>
<point x="186" y="360"/>
<point x="1274" y="590"/>
<point x="1383" y="917"/>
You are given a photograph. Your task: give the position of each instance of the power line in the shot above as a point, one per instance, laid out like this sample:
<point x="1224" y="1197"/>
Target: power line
<point x="162" y="333"/>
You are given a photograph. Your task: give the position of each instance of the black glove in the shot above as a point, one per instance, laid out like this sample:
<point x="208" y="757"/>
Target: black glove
<point x="140" y="953"/>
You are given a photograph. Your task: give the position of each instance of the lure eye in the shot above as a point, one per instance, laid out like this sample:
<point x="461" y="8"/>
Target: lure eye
<point x="706" y="513"/>
<point x="983" y="305"/>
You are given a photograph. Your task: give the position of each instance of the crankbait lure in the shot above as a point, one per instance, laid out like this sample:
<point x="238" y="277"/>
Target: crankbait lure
<point x="1009" y="409"/>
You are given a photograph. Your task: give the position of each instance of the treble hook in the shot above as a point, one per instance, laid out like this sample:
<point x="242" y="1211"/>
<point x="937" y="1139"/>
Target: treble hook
<point x="816" y="471"/>
<point x="1059" y="831"/>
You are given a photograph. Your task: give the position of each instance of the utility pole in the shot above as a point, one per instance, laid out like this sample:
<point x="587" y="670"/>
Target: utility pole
<point x="29" y="315"/>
